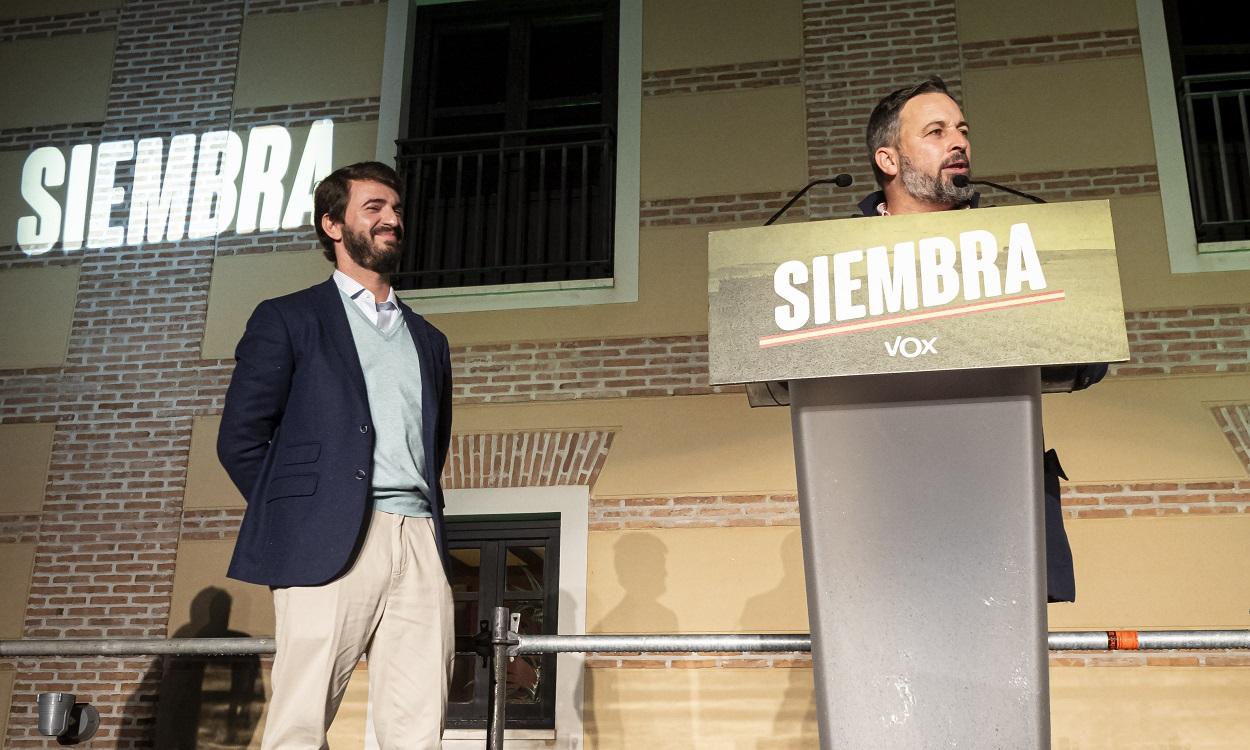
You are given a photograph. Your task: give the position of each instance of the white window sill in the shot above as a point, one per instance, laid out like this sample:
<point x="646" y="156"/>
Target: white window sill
<point x="521" y="296"/>
<point x="1223" y="247"/>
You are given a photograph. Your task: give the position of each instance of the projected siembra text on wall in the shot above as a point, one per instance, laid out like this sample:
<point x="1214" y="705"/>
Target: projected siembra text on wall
<point x="166" y="204"/>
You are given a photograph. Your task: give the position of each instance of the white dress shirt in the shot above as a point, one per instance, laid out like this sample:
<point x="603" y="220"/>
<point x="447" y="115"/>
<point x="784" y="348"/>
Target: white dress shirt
<point x="382" y="314"/>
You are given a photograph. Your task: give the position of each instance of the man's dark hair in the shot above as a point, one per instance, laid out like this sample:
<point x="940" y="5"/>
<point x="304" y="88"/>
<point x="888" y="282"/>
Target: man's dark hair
<point x="883" y="122"/>
<point x="331" y="194"/>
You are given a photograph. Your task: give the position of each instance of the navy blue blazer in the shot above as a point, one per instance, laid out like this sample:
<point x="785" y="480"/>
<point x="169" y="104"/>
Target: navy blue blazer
<point x="296" y="437"/>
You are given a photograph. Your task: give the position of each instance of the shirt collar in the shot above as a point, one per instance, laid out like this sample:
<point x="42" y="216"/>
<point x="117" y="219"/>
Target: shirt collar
<point x="355" y="289"/>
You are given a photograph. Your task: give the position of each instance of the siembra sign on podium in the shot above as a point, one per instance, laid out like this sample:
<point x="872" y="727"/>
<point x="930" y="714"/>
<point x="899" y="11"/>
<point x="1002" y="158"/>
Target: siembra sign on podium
<point x="913" y="347"/>
<point x="994" y="287"/>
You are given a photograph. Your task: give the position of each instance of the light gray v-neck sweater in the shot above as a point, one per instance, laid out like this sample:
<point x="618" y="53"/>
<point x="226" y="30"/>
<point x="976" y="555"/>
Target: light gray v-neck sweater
<point x="393" y="381"/>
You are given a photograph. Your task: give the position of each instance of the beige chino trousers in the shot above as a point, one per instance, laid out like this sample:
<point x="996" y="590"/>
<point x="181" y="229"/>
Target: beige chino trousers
<point x="394" y="605"/>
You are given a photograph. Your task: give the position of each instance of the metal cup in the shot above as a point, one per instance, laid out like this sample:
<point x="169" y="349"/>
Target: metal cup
<point x="54" y="709"/>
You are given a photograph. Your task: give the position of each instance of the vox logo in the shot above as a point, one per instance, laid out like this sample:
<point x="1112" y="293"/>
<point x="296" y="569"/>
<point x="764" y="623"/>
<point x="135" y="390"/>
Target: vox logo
<point x="910" y="346"/>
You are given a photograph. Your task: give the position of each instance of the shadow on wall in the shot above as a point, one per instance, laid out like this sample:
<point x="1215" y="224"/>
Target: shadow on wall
<point x="614" y="706"/>
<point x="207" y="703"/>
<point x="794" y="725"/>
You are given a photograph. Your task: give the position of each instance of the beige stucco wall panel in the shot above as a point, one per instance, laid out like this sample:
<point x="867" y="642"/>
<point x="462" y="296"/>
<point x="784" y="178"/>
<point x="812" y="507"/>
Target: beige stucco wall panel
<point x="59" y="80"/>
<point x="12" y="205"/>
<point x="1132" y="708"/>
<point x="1141" y="429"/>
<point x="25" y="450"/>
<point x="204" y="600"/>
<point x="16" y="563"/>
<point x="208" y="485"/>
<point x="681" y="709"/>
<point x="44" y="8"/>
<point x="1158" y="573"/>
<point x="672" y="299"/>
<point x="681" y="445"/>
<point x="1146" y="277"/>
<point x="775" y="709"/>
<point x="684" y="445"/>
<point x="701" y="33"/>
<point x="240" y="282"/>
<point x="352" y="142"/>
<point x="280" y="63"/>
<point x="730" y="142"/>
<point x="36" y="335"/>
<point x="987" y="20"/>
<point x="213" y="706"/>
<point x="716" y="444"/>
<point x="1028" y="118"/>
<point x="673" y="581"/>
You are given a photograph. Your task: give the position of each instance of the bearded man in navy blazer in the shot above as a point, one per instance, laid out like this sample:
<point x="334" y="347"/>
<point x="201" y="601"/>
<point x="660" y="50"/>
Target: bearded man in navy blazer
<point x="335" y="429"/>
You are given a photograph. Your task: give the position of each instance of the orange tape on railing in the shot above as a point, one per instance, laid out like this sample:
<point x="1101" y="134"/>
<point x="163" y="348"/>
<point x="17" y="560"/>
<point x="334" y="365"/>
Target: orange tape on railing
<point x="1122" y="640"/>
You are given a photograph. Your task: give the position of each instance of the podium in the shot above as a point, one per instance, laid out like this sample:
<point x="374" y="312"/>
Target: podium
<point x="912" y="352"/>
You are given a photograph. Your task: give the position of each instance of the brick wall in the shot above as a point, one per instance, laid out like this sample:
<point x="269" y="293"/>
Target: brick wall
<point x="123" y="402"/>
<point x="1039" y="50"/>
<point x="1188" y="341"/>
<point x="46" y="27"/>
<point x="728" y="77"/>
<point x="853" y="54"/>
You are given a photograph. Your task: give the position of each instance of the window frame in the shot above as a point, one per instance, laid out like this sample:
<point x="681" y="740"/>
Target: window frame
<point x="572" y="503"/>
<point x="1185" y="253"/>
<point x="397" y="77"/>
<point x="502" y="532"/>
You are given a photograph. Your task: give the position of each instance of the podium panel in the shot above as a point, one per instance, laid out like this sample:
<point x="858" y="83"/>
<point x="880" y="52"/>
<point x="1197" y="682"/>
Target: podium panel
<point x="953" y="290"/>
<point x="920" y="497"/>
<point x="913" y="347"/>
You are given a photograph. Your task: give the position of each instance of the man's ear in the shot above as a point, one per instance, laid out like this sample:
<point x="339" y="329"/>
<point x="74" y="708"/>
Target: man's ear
<point x="887" y="160"/>
<point x="332" y="228"/>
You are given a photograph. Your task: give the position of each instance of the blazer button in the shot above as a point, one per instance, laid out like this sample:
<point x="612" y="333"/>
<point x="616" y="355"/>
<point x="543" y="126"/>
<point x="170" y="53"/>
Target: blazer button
<point x="360" y="473"/>
<point x="364" y="428"/>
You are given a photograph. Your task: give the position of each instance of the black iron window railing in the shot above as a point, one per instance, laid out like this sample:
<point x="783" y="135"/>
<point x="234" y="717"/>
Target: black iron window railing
<point x="1216" y="132"/>
<point x="507" y="208"/>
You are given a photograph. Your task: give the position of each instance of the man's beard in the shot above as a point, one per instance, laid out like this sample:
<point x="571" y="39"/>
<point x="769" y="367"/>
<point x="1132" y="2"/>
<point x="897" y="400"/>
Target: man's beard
<point x="934" y="188"/>
<point x="361" y="249"/>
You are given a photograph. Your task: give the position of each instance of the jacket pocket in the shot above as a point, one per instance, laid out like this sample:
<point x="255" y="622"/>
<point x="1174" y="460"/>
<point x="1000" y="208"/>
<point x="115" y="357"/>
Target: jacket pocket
<point x="296" y="485"/>
<point x="303" y="453"/>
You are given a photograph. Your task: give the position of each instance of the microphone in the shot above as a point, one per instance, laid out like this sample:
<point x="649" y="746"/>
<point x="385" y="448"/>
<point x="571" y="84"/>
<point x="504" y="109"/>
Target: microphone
<point x="962" y="181"/>
<point x="841" y="180"/>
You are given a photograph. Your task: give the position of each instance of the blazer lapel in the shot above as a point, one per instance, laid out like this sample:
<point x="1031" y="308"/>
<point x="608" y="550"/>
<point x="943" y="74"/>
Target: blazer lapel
<point x="330" y="308"/>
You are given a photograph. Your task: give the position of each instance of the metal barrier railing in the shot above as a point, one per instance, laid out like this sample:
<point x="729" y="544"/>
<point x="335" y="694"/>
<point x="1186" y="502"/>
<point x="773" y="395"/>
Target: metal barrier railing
<point x="498" y="643"/>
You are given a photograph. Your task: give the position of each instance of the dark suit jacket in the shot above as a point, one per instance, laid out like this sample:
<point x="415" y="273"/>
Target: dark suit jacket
<point x="297" y="439"/>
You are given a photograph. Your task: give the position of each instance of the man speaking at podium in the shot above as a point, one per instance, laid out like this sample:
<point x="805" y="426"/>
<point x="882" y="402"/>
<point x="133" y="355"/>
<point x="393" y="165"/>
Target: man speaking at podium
<point x="918" y="143"/>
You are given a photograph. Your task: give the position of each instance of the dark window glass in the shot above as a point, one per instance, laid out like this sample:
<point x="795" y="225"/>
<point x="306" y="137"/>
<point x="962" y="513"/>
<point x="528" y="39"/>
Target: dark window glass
<point x="1211" y="68"/>
<point x="513" y="564"/>
<point x="566" y="61"/>
<point x="509" y="164"/>
<point x="472" y="67"/>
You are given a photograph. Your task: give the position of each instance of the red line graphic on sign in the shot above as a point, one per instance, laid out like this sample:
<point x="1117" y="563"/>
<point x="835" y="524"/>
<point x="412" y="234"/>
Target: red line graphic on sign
<point x="824" y="332"/>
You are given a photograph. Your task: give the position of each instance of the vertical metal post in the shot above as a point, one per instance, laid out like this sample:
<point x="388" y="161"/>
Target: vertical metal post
<point x="496" y="716"/>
